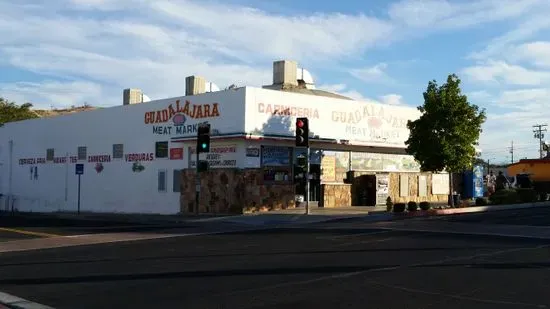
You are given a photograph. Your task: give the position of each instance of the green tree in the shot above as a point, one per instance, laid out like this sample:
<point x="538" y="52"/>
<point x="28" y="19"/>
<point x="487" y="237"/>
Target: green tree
<point x="9" y="111"/>
<point x="445" y="135"/>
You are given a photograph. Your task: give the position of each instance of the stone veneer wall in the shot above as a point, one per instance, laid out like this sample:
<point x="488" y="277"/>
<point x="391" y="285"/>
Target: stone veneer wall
<point x="335" y="195"/>
<point x="413" y="189"/>
<point x="234" y="191"/>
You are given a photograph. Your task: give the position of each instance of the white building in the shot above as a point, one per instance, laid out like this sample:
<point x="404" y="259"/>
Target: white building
<point x="132" y="154"/>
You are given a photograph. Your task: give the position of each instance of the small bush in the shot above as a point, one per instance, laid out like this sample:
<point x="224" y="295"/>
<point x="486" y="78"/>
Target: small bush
<point x="481" y="201"/>
<point x="412" y="206"/>
<point x="527" y="195"/>
<point x="399" y="207"/>
<point x="502" y="197"/>
<point x="389" y="204"/>
<point x="425" y="205"/>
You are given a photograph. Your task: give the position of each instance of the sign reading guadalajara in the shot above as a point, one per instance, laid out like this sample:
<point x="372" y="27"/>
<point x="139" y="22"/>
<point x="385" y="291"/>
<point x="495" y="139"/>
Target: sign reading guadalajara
<point x="178" y="114"/>
<point x="375" y="122"/>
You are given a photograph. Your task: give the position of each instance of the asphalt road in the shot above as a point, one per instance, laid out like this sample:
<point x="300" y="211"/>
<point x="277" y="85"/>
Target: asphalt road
<point x="529" y="216"/>
<point x="314" y="267"/>
<point x="27" y="226"/>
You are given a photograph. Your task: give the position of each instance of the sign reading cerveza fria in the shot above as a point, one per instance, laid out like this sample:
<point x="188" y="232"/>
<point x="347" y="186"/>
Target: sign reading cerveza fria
<point x="178" y="119"/>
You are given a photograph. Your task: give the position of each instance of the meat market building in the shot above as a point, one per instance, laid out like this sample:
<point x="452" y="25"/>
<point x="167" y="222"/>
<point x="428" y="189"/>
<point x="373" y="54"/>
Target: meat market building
<point x="140" y="158"/>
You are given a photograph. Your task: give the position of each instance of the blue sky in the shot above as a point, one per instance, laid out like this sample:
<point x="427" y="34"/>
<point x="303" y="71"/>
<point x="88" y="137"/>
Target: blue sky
<point x="67" y="52"/>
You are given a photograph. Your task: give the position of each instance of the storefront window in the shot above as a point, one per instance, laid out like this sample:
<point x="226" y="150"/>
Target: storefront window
<point x="277" y="163"/>
<point x="364" y="161"/>
<point x="334" y="165"/>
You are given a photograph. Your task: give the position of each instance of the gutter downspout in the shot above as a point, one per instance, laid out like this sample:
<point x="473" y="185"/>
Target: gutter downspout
<point x="10" y="175"/>
<point x="66" y="178"/>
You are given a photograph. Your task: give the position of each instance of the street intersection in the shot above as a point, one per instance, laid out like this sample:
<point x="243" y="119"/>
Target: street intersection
<point x="466" y="261"/>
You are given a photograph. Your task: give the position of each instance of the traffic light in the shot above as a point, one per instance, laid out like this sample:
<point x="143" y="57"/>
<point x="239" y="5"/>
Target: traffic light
<point x="301" y="161"/>
<point x="302" y="132"/>
<point x="203" y="138"/>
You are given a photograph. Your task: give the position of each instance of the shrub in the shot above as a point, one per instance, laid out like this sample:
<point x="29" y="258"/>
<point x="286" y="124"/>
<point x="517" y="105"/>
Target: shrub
<point x="425" y="205"/>
<point x="481" y="201"/>
<point x="527" y="195"/>
<point x="389" y="204"/>
<point x="504" y="197"/>
<point x="399" y="207"/>
<point x="412" y="206"/>
<point x="236" y="209"/>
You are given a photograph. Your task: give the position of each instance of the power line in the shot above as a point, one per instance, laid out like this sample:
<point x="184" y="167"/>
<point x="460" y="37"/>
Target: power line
<point x="539" y="133"/>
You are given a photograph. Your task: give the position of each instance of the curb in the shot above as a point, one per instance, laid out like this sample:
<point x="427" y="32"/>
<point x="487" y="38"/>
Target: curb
<point x="465" y="210"/>
<point x="294" y="220"/>
<point x="14" y="302"/>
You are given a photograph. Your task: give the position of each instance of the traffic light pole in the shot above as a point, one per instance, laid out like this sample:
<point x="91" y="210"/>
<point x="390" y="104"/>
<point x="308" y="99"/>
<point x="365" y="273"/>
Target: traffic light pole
<point x="307" y="181"/>
<point x="197" y="183"/>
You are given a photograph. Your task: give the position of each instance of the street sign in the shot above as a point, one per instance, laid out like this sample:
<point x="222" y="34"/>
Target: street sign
<point x="79" y="169"/>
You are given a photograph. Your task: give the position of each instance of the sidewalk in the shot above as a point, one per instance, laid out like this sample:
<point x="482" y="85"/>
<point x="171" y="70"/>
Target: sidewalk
<point x="520" y="231"/>
<point x="278" y="217"/>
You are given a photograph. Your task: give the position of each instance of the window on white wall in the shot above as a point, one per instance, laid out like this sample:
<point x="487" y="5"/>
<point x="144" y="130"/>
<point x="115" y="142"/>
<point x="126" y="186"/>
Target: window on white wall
<point x="176" y="182"/>
<point x="118" y="151"/>
<point x="161" y="149"/>
<point x="50" y="154"/>
<point x="82" y="152"/>
<point x="162" y="181"/>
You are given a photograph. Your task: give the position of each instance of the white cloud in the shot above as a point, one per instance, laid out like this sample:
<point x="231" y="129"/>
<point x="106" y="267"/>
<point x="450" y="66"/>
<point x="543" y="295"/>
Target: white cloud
<point x="530" y="27"/>
<point x="374" y="74"/>
<point x="441" y="14"/>
<point x="159" y="43"/>
<point x="511" y="115"/>
<point x="343" y="89"/>
<point x="501" y="72"/>
<point x="536" y="53"/>
<point x="392" y="99"/>
<point x="154" y="45"/>
<point x="48" y="94"/>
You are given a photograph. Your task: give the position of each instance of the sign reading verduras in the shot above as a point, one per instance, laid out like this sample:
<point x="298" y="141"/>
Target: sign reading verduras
<point x="220" y="156"/>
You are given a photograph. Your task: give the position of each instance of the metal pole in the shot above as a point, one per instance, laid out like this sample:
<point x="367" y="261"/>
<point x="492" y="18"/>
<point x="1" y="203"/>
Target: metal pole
<point x="307" y="181"/>
<point x="197" y="182"/>
<point x="79" y="193"/>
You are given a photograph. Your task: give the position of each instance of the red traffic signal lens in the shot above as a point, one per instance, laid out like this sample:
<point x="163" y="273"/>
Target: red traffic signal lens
<point x="299" y="123"/>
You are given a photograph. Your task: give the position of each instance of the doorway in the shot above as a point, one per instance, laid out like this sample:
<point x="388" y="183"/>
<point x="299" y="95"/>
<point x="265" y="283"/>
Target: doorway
<point x="363" y="191"/>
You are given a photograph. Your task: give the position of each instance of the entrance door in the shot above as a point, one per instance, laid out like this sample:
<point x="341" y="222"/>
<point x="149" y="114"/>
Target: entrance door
<point x="363" y="191"/>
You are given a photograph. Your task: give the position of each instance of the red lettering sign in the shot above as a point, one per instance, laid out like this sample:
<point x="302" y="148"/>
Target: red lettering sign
<point x="134" y="157"/>
<point x="191" y="110"/>
<point x="176" y="153"/>
<point x="99" y="158"/>
<point x="285" y="110"/>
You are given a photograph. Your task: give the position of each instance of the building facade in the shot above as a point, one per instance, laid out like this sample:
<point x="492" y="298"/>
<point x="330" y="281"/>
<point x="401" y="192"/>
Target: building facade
<point x="140" y="158"/>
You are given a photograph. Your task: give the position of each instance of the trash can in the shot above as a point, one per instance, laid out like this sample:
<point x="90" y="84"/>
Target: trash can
<point x="456" y="199"/>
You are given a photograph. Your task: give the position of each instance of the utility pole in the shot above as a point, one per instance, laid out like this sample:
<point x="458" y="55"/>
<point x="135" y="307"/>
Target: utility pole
<point x="512" y="152"/>
<point x="539" y="134"/>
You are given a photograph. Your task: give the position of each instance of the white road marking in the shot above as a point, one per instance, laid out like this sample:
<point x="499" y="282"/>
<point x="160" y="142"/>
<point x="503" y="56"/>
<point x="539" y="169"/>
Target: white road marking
<point x="11" y="300"/>
<point x="370" y="241"/>
<point x="12" y="246"/>
<point x="428" y="230"/>
<point x="352" y="235"/>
